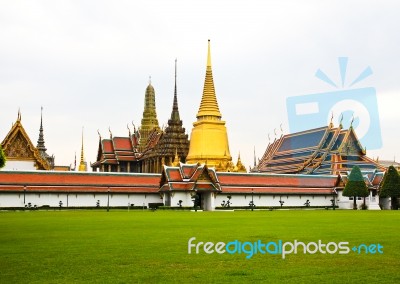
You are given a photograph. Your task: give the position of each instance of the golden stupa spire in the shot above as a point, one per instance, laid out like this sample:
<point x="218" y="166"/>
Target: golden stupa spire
<point x="82" y="164"/>
<point x="209" y="105"/>
<point x="209" y="138"/>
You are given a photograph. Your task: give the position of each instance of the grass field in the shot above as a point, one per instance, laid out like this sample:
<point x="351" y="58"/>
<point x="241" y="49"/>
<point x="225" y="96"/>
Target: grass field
<point x="152" y="247"/>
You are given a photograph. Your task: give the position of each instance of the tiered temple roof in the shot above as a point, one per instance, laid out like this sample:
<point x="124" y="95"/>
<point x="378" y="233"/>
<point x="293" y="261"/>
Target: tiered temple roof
<point x="115" y="151"/>
<point x="325" y="150"/>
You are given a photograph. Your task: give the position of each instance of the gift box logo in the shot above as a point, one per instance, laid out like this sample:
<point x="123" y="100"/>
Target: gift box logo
<point x="356" y="107"/>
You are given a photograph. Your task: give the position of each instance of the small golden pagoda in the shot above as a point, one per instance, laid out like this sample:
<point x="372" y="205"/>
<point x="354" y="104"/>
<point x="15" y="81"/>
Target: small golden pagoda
<point x="82" y="164"/>
<point x="209" y="139"/>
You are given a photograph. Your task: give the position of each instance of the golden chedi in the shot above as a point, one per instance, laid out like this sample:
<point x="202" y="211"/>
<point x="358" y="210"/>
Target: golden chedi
<point x="209" y="139"/>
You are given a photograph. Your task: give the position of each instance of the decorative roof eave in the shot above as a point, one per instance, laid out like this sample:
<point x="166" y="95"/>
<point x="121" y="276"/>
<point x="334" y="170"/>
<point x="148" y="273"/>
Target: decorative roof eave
<point x="207" y="186"/>
<point x="110" y="161"/>
<point x="378" y="166"/>
<point x="95" y="164"/>
<point x="99" y="151"/>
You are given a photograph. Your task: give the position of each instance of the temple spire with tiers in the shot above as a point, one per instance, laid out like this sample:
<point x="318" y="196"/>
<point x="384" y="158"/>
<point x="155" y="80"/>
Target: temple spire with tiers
<point x="209" y="138"/>
<point x="149" y="121"/>
<point x="175" y="111"/>
<point x="82" y="164"/>
<point x="173" y="145"/>
<point x="41" y="144"/>
<point x="209" y="105"/>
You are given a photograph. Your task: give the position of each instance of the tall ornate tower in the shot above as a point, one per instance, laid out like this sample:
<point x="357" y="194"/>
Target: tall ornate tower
<point x="149" y="120"/>
<point x="173" y="146"/>
<point x="40" y="143"/>
<point x="82" y="164"/>
<point x="209" y="138"/>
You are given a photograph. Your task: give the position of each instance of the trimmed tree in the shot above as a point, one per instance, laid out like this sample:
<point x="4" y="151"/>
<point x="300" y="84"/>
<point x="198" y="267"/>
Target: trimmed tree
<point x="2" y="158"/>
<point x="355" y="186"/>
<point x="390" y="186"/>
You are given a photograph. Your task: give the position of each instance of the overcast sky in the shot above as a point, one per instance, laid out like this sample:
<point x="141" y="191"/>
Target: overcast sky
<point x="88" y="64"/>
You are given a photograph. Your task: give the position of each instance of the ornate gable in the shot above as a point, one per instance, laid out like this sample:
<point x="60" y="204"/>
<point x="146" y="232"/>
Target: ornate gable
<point x="18" y="146"/>
<point x="351" y="145"/>
<point x="202" y="178"/>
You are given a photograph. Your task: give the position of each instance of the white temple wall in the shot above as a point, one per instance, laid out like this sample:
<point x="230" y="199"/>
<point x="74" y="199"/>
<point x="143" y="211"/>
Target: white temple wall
<point x="77" y="199"/>
<point x="19" y="165"/>
<point x="184" y="196"/>
<point x="210" y="200"/>
<point x="372" y="202"/>
<point x="273" y="200"/>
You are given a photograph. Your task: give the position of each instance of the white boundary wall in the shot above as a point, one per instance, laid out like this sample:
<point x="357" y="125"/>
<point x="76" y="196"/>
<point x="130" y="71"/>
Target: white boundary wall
<point x="77" y="199"/>
<point x="210" y="200"/>
<point x="19" y="165"/>
<point x="273" y="200"/>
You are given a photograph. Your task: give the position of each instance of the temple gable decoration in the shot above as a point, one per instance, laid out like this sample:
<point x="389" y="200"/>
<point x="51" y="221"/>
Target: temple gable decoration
<point x="17" y="146"/>
<point x="200" y="178"/>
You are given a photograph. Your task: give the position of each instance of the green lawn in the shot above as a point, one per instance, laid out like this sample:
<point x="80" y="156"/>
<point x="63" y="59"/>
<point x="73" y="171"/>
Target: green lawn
<point x="152" y="247"/>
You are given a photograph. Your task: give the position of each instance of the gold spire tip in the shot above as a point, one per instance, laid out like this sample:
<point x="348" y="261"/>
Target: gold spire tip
<point x="209" y="54"/>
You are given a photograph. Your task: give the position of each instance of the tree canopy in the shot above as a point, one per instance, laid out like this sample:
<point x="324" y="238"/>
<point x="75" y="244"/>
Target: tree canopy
<point x="390" y="186"/>
<point x="2" y="158"/>
<point x="355" y="185"/>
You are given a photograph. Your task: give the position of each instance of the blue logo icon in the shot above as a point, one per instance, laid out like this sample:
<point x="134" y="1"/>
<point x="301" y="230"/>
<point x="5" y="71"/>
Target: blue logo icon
<point x="356" y="107"/>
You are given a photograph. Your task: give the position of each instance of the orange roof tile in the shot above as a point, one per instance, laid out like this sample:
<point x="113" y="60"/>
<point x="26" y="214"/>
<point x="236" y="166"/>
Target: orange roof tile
<point x="107" y="146"/>
<point x="43" y="178"/>
<point x="122" y="143"/>
<point x="294" y="180"/>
